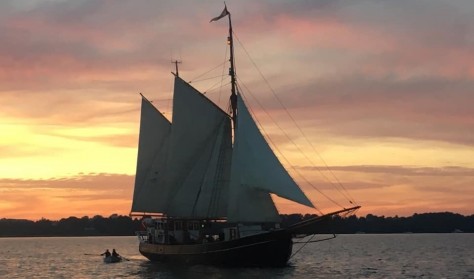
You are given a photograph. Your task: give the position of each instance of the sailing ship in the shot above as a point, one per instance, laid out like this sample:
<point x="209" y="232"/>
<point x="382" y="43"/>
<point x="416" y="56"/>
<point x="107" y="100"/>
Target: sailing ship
<point x="205" y="181"/>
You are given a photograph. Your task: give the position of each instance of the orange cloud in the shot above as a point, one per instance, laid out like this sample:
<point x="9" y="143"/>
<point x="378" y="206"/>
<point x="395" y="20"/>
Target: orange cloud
<point x="55" y="198"/>
<point x="370" y="87"/>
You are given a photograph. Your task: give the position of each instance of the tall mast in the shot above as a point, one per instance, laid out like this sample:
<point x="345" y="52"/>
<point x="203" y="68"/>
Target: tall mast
<point x="230" y="41"/>
<point x="233" y="96"/>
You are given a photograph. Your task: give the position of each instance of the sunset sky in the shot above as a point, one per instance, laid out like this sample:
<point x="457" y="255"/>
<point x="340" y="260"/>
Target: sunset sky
<point x="383" y="92"/>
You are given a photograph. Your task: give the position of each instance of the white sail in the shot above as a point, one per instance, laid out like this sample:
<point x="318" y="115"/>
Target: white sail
<point x="247" y="204"/>
<point x="200" y="146"/>
<point x="152" y="151"/>
<point x="255" y="166"/>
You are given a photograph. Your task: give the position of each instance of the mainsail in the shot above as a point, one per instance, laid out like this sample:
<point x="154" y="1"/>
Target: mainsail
<point x="200" y="148"/>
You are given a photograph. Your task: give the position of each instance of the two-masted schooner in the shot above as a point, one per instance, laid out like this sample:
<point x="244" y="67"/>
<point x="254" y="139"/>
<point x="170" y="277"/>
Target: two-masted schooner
<point x="206" y="179"/>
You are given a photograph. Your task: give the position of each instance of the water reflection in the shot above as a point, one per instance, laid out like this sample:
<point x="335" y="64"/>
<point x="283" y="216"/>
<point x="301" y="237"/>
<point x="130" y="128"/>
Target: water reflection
<point x="147" y="269"/>
<point x="348" y="256"/>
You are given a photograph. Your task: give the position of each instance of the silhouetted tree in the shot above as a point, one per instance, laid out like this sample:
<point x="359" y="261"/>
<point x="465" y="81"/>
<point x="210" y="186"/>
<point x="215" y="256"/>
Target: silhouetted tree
<point x="443" y="222"/>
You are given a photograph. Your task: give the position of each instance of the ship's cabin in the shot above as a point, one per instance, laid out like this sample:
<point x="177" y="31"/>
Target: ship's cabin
<point x="185" y="231"/>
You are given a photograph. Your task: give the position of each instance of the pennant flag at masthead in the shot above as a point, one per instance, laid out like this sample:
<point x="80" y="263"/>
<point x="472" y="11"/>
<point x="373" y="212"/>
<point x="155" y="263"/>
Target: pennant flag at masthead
<point x="223" y="14"/>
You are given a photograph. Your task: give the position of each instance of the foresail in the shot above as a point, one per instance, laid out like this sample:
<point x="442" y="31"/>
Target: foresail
<point x="198" y="170"/>
<point x="247" y="204"/>
<point x="152" y="151"/>
<point x="254" y="165"/>
<point x="251" y="206"/>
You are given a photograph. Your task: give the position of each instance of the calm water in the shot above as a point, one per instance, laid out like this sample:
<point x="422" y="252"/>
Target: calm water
<point x="347" y="256"/>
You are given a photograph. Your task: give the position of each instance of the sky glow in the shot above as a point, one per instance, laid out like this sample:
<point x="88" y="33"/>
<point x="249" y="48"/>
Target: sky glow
<point x="383" y="91"/>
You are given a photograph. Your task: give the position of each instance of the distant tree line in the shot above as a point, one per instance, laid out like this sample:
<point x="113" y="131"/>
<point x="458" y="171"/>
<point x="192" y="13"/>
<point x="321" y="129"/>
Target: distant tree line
<point x="117" y="225"/>
<point x="444" y="222"/>
<point x="72" y="226"/>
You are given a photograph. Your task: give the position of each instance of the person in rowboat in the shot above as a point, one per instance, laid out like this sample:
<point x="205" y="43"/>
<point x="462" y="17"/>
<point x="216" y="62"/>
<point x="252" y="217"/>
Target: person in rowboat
<point x="115" y="254"/>
<point x="106" y="253"/>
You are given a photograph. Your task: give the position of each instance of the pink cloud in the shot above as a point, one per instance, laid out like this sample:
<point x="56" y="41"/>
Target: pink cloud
<point x="358" y="70"/>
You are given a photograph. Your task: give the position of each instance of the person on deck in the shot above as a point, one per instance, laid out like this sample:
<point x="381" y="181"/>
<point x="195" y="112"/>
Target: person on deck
<point x="106" y="253"/>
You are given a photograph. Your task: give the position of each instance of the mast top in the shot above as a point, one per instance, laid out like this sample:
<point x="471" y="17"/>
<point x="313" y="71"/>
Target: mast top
<point x="176" y="62"/>
<point x="230" y="40"/>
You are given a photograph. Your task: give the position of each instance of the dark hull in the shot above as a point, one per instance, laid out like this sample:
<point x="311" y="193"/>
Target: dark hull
<point x="112" y="259"/>
<point x="272" y="249"/>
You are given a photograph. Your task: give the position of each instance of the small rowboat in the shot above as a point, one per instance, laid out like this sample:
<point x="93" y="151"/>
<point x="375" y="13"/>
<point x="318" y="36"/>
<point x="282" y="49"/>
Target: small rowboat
<point x="112" y="259"/>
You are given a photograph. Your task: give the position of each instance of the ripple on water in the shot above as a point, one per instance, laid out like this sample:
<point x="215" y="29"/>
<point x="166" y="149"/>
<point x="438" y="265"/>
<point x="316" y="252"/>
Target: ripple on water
<point x="347" y="256"/>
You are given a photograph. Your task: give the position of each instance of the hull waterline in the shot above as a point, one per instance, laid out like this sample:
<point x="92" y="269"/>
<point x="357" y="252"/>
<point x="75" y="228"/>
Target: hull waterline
<point x="112" y="259"/>
<point x="271" y="249"/>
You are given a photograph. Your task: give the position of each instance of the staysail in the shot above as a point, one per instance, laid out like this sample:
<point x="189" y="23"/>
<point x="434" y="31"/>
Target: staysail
<point x="256" y="171"/>
<point x="152" y="152"/>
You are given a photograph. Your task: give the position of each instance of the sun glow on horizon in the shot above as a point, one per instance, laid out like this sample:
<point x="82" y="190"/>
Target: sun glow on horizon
<point x="375" y="94"/>
<point x="43" y="152"/>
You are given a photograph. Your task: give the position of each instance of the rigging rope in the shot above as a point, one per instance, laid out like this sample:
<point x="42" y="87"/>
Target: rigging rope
<point x="343" y="191"/>
<point x="204" y="79"/>
<point x="271" y="141"/>
<point x="201" y="75"/>
<point x="222" y="76"/>
<point x="281" y="153"/>
<point x="309" y="241"/>
<point x="214" y="85"/>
